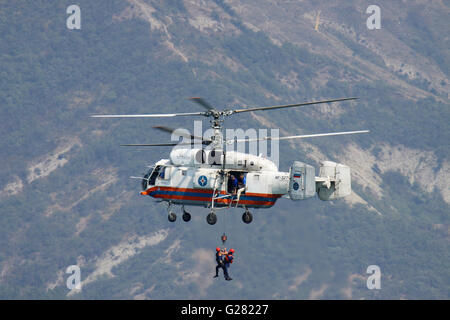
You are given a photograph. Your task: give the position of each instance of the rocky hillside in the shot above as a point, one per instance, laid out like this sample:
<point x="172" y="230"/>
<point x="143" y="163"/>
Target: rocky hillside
<point x="66" y="197"/>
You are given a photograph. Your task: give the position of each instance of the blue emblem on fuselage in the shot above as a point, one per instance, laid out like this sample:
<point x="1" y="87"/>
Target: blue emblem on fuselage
<point x="202" y="181"/>
<point x="295" y="186"/>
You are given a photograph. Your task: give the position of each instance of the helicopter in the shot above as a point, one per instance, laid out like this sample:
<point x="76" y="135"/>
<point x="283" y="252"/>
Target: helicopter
<point x="201" y="172"/>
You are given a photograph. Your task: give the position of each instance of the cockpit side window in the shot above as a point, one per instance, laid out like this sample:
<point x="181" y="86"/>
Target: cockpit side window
<point x="152" y="179"/>
<point x="164" y="173"/>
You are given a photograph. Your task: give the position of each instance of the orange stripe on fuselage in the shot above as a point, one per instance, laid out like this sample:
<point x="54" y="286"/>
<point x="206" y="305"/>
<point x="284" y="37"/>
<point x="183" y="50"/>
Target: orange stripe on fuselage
<point x="225" y="201"/>
<point x="208" y="199"/>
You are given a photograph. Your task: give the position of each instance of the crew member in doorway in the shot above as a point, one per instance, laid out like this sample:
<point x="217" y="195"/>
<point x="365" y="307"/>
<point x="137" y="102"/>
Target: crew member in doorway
<point x="232" y="184"/>
<point x="241" y="181"/>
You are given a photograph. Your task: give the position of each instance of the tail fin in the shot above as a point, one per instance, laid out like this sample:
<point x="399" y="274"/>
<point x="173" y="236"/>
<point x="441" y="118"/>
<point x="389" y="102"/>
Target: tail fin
<point x="334" y="181"/>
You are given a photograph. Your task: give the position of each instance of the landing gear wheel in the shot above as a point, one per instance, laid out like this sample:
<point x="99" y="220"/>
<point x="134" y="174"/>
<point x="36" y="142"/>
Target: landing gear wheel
<point x="186" y="217"/>
<point x="172" y="217"/>
<point x="247" y="217"/>
<point x="211" y="218"/>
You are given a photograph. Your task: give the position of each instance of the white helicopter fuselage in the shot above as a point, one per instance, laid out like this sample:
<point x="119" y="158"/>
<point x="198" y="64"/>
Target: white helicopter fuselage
<point x="198" y="177"/>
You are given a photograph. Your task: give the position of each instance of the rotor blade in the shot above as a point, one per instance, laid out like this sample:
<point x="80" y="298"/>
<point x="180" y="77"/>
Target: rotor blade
<point x="190" y="136"/>
<point x="291" y="105"/>
<point x="169" y="144"/>
<point x="301" y="136"/>
<point x="203" y="103"/>
<point x="161" y="115"/>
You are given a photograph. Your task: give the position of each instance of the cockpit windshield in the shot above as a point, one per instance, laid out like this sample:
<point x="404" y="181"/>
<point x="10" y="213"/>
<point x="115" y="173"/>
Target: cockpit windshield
<point x="150" y="177"/>
<point x="145" y="178"/>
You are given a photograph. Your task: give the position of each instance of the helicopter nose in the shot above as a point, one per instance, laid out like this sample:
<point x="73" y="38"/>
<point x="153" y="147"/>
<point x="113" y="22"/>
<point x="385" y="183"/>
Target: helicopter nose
<point x="145" y="193"/>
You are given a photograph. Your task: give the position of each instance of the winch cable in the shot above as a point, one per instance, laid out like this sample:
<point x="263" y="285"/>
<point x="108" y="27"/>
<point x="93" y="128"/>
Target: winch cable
<point x="224" y="237"/>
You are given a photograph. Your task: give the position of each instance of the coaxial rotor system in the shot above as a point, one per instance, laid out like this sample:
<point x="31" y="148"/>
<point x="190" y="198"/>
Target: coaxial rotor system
<point x="217" y="116"/>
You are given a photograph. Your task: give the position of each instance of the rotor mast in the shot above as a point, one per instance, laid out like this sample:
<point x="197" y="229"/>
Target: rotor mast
<point x="216" y="124"/>
<point x="217" y="140"/>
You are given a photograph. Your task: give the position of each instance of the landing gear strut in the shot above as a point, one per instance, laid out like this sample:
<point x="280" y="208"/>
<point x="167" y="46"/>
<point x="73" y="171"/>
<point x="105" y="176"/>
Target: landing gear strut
<point x="211" y="218"/>
<point x="186" y="215"/>
<point x="247" y="217"/>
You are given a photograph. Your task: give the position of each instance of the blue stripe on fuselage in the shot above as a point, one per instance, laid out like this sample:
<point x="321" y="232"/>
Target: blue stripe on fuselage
<point x="208" y="195"/>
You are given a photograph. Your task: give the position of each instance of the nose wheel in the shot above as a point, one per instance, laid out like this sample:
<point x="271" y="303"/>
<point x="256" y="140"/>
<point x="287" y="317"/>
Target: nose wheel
<point x="247" y="217"/>
<point x="172" y="217"/>
<point x="211" y="218"/>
